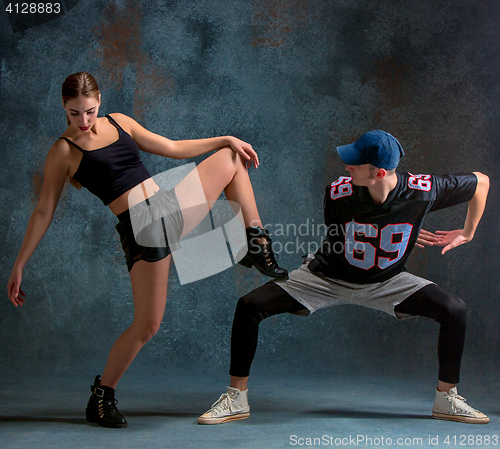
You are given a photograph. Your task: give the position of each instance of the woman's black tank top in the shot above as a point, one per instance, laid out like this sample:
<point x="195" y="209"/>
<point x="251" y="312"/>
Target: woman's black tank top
<point x="110" y="171"/>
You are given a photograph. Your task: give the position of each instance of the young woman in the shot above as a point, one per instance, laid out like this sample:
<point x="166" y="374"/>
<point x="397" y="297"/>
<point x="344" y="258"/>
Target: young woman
<point x="102" y="154"/>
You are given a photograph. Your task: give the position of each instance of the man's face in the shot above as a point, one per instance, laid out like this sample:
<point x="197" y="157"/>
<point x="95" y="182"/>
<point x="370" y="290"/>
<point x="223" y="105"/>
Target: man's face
<point x="362" y="175"/>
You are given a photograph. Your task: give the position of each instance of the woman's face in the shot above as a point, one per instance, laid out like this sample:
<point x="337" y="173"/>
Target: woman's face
<point x="82" y="112"/>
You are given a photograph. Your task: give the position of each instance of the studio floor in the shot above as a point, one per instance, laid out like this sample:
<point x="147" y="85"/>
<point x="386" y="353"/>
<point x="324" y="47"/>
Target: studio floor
<point x="286" y="411"/>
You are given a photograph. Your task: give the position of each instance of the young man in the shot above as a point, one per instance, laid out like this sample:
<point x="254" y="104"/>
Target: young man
<point x="374" y="218"/>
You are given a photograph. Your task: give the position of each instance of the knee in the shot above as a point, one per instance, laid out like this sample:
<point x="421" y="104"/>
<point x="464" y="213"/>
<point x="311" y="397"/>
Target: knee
<point x="246" y="303"/>
<point x="232" y="158"/>
<point x="146" y="331"/>
<point x="456" y="309"/>
<point x="248" y="306"/>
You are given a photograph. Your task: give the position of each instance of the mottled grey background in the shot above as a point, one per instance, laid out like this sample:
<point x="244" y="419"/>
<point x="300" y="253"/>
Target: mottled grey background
<point x="294" y="78"/>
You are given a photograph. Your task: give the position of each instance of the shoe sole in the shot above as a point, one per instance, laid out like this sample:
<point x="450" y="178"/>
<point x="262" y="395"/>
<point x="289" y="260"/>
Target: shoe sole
<point x="90" y="419"/>
<point x="223" y="420"/>
<point x="459" y="418"/>
<point x="248" y="263"/>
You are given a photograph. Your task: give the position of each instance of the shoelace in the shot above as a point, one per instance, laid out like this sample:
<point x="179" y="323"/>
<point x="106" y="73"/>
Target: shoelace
<point x="109" y="405"/>
<point x="271" y="256"/>
<point x="269" y="253"/>
<point x="460" y="404"/>
<point x="223" y="403"/>
<point x="267" y="250"/>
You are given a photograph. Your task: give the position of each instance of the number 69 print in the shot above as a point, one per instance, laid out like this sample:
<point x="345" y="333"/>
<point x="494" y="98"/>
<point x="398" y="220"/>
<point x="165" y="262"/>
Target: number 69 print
<point x="388" y="244"/>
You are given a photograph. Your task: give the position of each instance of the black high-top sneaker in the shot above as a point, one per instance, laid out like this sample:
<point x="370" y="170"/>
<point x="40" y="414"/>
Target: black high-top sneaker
<point x="101" y="407"/>
<point x="261" y="256"/>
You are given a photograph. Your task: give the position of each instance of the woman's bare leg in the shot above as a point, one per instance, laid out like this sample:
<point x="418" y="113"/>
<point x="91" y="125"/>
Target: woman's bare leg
<point x="198" y="191"/>
<point x="222" y="171"/>
<point x="149" y="289"/>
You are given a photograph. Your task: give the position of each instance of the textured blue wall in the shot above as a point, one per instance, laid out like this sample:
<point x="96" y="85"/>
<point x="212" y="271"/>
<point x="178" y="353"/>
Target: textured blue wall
<point x="294" y="78"/>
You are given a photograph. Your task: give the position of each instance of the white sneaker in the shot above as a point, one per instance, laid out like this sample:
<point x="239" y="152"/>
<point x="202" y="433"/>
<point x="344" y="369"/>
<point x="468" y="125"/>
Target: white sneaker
<point x="230" y="406"/>
<point x="452" y="407"/>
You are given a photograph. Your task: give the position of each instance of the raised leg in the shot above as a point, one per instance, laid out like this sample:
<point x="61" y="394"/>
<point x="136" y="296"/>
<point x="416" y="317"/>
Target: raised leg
<point x="222" y="171"/>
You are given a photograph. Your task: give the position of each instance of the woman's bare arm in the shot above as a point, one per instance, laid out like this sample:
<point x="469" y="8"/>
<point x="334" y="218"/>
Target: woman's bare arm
<point x="183" y="149"/>
<point x="56" y="169"/>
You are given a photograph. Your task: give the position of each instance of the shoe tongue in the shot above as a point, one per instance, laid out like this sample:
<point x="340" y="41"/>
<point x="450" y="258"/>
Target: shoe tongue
<point x="453" y="391"/>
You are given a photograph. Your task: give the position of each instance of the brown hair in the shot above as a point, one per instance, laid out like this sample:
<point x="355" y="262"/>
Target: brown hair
<point x="77" y="84"/>
<point x="389" y="172"/>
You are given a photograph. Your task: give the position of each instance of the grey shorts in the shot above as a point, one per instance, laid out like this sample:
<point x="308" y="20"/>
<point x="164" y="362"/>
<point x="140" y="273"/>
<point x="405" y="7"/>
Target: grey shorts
<point x="150" y="230"/>
<point x="316" y="292"/>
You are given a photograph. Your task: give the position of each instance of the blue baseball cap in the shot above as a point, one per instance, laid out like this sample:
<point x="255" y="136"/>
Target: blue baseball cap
<point x="376" y="147"/>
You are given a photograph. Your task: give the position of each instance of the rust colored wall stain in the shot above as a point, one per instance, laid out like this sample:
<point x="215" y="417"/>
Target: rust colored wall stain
<point x="274" y="20"/>
<point x="392" y="79"/>
<point x="151" y="84"/>
<point x="391" y="76"/>
<point x="120" y="38"/>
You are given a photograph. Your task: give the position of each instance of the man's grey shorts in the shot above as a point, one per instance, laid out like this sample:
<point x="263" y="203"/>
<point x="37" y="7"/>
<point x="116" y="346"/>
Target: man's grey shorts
<point x="316" y="292"/>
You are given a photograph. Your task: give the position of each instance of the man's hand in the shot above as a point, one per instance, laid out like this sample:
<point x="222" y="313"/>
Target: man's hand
<point x="448" y="239"/>
<point x="426" y="238"/>
<point x="451" y="239"/>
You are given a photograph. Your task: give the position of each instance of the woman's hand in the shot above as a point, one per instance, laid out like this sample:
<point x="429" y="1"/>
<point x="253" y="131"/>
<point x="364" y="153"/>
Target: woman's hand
<point x="245" y="150"/>
<point x="16" y="295"/>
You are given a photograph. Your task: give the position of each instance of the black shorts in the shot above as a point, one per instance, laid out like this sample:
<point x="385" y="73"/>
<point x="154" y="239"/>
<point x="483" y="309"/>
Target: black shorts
<point x="157" y="217"/>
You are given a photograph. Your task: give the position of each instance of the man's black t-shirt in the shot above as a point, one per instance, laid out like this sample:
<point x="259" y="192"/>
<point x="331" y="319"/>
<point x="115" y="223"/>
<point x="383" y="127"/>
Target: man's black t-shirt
<point x="368" y="242"/>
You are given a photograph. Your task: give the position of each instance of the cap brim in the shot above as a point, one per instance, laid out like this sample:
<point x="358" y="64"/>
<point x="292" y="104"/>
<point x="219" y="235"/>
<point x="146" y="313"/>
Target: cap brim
<point x="349" y="155"/>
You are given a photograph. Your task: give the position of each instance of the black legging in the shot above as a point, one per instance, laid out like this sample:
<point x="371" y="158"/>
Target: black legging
<point x="430" y="301"/>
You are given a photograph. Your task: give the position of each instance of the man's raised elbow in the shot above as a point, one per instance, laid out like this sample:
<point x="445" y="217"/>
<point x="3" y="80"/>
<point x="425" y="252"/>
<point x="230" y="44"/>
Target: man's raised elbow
<point x="483" y="180"/>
